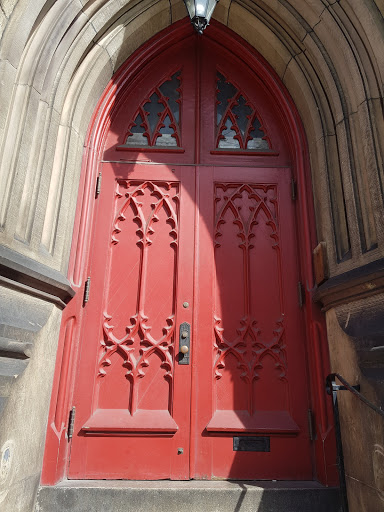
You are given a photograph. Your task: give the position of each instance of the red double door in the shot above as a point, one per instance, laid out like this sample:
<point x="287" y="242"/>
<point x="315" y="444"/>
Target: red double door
<point x="192" y="357"/>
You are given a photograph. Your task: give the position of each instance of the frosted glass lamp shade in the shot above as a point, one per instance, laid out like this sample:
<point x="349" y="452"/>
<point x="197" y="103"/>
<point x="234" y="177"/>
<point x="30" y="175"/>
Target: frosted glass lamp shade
<point x="200" y="12"/>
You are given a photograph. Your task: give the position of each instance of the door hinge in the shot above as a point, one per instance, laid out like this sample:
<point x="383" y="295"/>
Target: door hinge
<point x="71" y="422"/>
<point x="98" y="184"/>
<point x="311" y="425"/>
<point x="87" y="287"/>
<point x="293" y="189"/>
<point x="301" y="294"/>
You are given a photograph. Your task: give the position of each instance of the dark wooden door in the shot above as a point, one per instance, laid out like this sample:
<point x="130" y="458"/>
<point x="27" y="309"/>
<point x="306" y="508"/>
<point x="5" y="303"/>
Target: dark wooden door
<point x="205" y="245"/>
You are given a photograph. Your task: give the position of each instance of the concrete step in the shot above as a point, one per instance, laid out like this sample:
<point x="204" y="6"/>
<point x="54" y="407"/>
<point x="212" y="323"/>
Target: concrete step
<point x="192" y="496"/>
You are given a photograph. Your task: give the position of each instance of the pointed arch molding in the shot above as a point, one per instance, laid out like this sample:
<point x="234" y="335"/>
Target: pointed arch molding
<point x="113" y="96"/>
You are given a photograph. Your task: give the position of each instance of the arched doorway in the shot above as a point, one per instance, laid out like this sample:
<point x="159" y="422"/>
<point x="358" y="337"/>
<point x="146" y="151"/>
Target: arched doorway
<point x="192" y="350"/>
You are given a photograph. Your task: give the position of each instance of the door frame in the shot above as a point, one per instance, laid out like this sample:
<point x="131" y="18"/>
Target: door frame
<point x="57" y="450"/>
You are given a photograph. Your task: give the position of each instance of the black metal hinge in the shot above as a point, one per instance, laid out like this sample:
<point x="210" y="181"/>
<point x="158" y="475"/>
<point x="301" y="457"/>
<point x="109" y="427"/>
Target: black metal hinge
<point x="293" y="189"/>
<point x="87" y="288"/>
<point x="98" y="184"/>
<point x="71" y="422"/>
<point x="311" y="425"/>
<point x="301" y="294"/>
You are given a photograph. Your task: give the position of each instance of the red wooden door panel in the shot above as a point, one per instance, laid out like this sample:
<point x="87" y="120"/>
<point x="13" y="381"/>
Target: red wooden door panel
<point x="132" y="397"/>
<point x="249" y="352"/>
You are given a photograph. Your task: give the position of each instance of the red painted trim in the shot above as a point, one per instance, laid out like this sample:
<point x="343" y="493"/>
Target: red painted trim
<point x="57" y="446"/>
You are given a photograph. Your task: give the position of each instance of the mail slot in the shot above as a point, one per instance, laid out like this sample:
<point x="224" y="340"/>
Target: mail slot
<point x="251" y="444"/>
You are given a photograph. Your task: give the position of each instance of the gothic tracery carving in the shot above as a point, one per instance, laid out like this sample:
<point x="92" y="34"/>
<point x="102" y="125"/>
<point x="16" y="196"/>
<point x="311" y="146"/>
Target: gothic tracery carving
<point x="157" y="120"/>
<point x="145" y="204"/>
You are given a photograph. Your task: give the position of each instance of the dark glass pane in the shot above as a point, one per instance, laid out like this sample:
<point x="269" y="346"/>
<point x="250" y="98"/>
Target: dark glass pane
<point x="137" y="138"/>
<point x="138" y="127"/>
<point x="256" y="133"/>
<point x="170" y="90"/>
<point x="157" y="124"/>
<point x="225" y="92"/>
<point x="238" y="131"/>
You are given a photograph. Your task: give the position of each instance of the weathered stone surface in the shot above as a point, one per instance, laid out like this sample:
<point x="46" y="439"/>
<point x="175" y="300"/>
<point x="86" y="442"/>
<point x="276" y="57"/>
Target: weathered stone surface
<point x="362" y="428"/>
<point x="368" y="19"/>
<point x="144" y="20"/>
<point x="340" y="54"/>
<point x="178" y="11"/>
<point x="7" y="6"/>
<point x="75" y="48"/>
<point x="300" y="85"/>
<point x="18" y="29"/>
<point x="221" y="11"/>
<point x="345" y="161"/>
<point x="310" y="10"/>
<point x="364" y="131"/>
<point x="260" y="37"/>
<point x="193" y="496"/>
<point x="322" y="76"/>
<point x="19" y="269"/>
<point x="35" y="323"/>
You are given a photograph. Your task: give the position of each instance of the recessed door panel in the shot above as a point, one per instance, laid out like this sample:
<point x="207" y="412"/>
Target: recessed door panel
<point x="250" y="347"/>
<point x="139" y="404"/>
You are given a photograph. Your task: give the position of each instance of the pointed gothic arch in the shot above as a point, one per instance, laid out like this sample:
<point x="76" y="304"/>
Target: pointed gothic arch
<point x="55" y="466"/>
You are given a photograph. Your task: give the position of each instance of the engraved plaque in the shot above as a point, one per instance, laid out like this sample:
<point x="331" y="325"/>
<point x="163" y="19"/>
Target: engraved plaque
<point x="251" y="444"/>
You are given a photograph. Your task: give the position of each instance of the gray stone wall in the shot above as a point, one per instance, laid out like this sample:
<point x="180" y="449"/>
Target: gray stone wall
<point x="362" y="428"/>
<point x="25" y="391"/>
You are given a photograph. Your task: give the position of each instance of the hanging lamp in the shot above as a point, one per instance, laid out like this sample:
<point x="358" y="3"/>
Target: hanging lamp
<point x="200" y="12"/>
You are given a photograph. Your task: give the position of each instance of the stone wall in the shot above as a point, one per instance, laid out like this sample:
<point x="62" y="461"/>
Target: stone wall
<point x="362" y="428"/>
<point x="56" y="58"/>
<point x="27" y="388"/>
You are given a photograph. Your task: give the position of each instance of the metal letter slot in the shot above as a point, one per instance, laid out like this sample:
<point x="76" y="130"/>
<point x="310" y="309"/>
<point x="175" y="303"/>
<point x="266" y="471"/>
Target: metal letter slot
<point x="184" y="343"/>
<point x="251" y="444"/>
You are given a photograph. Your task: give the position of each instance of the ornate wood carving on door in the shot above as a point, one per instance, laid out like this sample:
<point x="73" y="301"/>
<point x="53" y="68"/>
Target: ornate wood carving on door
<point x="251" y="348"/>
<point x="246" y="359"/>
<point x="137" y="347"/>
<point x="156" y="122"/>
<point x="194" y="226"/>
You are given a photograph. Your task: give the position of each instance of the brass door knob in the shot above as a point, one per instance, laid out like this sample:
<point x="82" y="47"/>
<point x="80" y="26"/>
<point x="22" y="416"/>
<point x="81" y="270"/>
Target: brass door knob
<point x="184" y="349"/>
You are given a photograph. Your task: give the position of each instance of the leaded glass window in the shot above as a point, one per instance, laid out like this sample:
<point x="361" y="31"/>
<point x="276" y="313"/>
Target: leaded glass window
<point x="157" y="120"/>
<point x="238" y="124"/>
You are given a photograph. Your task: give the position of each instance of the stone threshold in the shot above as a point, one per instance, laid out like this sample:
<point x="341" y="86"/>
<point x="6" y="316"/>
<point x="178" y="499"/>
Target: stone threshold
<point x="187" y="496"/>
<point x="191" y="484"/>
